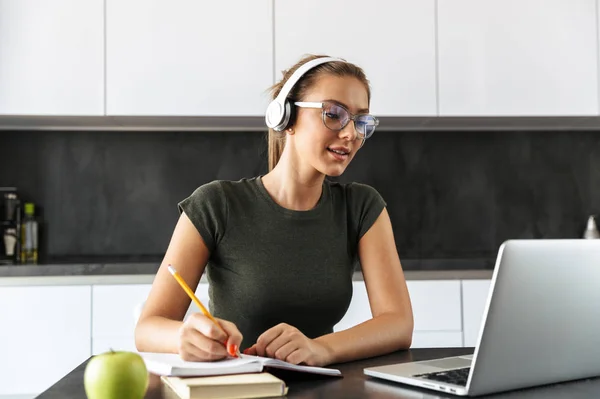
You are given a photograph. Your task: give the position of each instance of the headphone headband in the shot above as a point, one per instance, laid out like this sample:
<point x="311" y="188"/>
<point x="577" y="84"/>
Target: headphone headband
<point x="291" y="82"/>
<point x="279" y="110"/>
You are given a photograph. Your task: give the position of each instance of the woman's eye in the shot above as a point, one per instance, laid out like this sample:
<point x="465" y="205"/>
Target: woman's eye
<point x="332" y="115"/>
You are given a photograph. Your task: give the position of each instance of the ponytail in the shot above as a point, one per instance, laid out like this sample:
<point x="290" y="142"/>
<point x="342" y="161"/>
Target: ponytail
<point x="276" y="142"/>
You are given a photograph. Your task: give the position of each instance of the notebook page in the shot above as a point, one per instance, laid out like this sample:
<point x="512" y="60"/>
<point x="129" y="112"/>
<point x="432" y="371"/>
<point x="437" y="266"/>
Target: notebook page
<point x="172" y="364"/>
<point x="280" y="364"/>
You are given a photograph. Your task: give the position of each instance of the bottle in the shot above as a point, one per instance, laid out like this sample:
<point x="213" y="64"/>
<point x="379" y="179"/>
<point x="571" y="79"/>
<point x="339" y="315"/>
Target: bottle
<point x="29" y="236"/>
<point x="591" y="230"/>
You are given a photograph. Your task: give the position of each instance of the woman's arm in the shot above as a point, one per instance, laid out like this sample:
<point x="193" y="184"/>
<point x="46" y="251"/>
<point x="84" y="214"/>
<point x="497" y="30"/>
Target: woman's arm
<point x="158" y="327"/>
<point x="391" y="327"/>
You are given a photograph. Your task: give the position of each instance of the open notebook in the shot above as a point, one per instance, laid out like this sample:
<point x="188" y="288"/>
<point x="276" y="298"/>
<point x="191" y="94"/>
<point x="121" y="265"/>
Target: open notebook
<point x="171" y="364"/>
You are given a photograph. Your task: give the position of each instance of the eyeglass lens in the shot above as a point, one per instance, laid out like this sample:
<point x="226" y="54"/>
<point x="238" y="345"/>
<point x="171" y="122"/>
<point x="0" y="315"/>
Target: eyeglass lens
<point x="337" y="117"/>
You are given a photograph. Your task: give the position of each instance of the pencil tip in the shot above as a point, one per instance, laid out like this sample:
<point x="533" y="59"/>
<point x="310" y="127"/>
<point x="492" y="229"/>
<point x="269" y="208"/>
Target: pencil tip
<point x="171" y="269"/>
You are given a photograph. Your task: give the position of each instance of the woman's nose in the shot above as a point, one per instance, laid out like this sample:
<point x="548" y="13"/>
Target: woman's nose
<point x="348" y="132"/>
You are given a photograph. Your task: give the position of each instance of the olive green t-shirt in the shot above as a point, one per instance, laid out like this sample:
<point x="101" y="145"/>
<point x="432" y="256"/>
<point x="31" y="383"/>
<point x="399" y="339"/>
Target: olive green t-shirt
<point x="271" y="265"/>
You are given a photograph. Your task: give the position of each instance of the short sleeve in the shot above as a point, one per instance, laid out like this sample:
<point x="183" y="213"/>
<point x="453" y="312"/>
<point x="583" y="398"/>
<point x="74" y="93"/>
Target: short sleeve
<point x="366" y="204"/>
<point x="206" y="207"/>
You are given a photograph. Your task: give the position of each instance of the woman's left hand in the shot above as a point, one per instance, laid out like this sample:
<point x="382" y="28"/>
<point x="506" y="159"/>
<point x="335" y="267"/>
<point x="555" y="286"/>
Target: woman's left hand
<point x="287" y="343"/>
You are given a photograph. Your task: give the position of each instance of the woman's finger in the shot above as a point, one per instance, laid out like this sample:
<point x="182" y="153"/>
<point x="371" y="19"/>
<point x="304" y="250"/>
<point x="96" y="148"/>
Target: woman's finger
<point x="192" y="353"/>
<point x="214" y="349"/>
<point x="235" y="337"/>
<point x="267" y="337"/>
<point x="297" y="356"/>
<point x="285" y="350"/>
<point x="251" y="351"/>
<point x="207" y="327"/>
<point x="283" y="339"/>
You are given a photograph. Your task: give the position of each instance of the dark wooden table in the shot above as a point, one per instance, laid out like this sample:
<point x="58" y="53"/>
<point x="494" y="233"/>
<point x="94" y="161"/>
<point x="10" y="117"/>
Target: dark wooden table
<point x="354" y="384"/>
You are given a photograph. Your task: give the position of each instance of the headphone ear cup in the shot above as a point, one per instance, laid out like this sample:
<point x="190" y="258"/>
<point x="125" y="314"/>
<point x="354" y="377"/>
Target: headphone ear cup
<point x="291" y="120"/>
<point x="285" y="117"/>
<point x="275" y="115"/>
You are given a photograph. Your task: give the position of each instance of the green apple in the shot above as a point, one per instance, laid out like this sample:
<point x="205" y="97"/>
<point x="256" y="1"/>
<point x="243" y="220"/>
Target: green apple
<point x="116" y="375"/>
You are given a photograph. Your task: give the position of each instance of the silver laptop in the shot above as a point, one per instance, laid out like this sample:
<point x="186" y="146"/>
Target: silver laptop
<point x="541" y="324"/>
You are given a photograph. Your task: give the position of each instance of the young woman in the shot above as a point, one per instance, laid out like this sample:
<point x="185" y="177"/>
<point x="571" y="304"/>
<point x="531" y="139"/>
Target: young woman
<point x="280" y="249"/>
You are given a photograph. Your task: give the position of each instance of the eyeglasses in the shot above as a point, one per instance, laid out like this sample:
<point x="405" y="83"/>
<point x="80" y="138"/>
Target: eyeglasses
<point x="336" y="117"/>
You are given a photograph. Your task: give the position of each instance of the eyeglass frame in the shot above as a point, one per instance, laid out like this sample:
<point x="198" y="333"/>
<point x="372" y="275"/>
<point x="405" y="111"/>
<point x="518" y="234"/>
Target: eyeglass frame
<point x="352" y="117"/>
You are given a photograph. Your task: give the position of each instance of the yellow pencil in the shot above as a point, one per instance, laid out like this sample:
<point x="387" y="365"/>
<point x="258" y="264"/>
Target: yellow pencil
<point x="194" y="298"/>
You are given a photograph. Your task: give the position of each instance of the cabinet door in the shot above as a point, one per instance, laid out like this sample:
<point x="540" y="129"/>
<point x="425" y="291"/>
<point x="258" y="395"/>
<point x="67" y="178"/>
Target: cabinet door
<point x="114" y="307"/>
<point x="45" y="334"/>
<point x="101" y="345"/>
<point x="517" y="57"/>
<point x="436" y="305"/>
<point x="392" y="40"/>
<point x="52" y="57"/>
<point x="437" y="339"/>
<point x="188" y="57"/>
<point x="475" y="294"/>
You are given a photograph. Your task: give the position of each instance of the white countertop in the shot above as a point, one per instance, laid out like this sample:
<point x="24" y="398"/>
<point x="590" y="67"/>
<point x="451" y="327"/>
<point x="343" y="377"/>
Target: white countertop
<point x="149" y="278"/>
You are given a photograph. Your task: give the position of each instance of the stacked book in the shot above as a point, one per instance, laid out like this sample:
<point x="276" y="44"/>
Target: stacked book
<point x="243" y="377"/>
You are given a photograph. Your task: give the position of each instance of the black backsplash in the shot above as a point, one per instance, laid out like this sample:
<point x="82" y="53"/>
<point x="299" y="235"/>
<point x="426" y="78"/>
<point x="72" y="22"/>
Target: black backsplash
<point x="450" y="195"/>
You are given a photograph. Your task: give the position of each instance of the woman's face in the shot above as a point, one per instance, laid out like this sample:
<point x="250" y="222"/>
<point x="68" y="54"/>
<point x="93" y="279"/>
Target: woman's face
<point x="326" y="150"/>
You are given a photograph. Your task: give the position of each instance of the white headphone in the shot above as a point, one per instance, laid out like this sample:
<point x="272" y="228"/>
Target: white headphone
<point x="279" y="110"/>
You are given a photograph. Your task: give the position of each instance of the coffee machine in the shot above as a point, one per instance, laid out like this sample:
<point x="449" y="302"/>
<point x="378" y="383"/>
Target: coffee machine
<point x="10" y="226"/>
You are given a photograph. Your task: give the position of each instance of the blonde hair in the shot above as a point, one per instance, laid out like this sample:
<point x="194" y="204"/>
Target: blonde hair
<point x="276" y="140"/>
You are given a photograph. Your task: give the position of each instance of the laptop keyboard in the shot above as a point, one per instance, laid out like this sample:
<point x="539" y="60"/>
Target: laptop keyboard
<point x="456" y="376"/>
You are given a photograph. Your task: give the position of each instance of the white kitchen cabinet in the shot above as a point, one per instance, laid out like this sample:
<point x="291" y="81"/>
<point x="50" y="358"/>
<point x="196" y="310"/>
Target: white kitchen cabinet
<point x="475" y="295"/>
<point x="113" y="309"/>
<point x="101" y="345"/>
<point x="188" y="57"/>
<point x="51" y="57"/>
<point x="45" y="334"/>
<point x="436" y="305"/>
<point x="436" y="311"/>
<point x="392" y="40"/>
<point x="517" y="57"/>
<point x="437" y="339"/>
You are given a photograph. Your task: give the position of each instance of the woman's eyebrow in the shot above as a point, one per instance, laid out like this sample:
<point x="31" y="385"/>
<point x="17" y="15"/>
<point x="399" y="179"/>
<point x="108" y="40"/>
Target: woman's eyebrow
<point x="360" y="111"/>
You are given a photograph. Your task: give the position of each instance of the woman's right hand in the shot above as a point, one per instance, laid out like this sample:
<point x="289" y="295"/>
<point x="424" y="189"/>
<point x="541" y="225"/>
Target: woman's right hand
<point x="201" y="340"/>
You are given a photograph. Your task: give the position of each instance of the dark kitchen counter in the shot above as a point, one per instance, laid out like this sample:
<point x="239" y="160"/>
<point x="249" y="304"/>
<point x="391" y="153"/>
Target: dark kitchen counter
<point x="354" y="384"/>
<point x="142" y="272"/>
